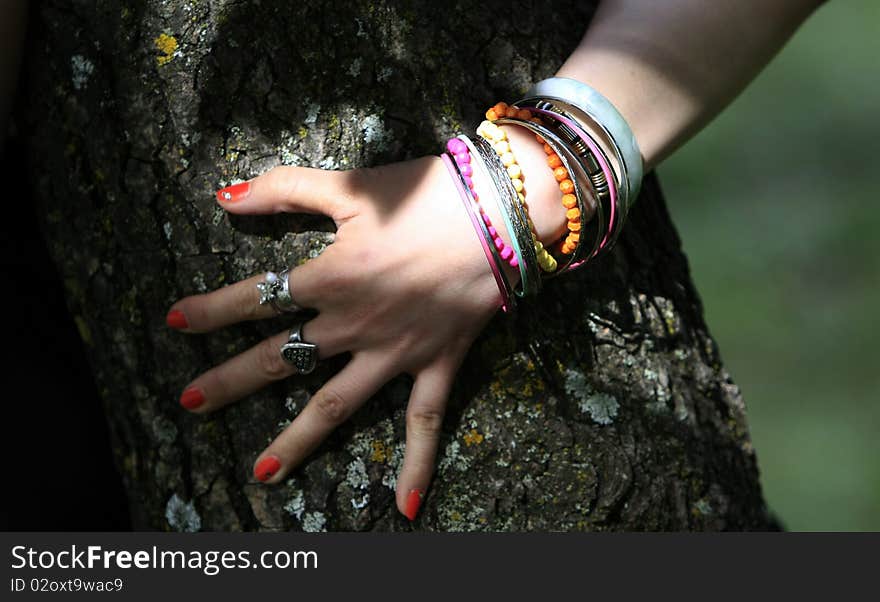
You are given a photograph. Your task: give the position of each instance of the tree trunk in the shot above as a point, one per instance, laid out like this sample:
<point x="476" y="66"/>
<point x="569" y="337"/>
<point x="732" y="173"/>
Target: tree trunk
<point x="601" y="405"/>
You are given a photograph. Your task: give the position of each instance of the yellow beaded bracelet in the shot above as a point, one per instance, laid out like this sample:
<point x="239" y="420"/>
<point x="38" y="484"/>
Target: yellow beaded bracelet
<point x="569" y="201"/>
<point x="498" y="139"/>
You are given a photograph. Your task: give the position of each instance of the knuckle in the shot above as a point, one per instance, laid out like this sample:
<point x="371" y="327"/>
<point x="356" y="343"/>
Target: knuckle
<point x="340" y="278"/>
<point x="349" y="187"/>
<point x="282" y="182"/>
<point x="330" y="405"/>
<point x="270" y="361"/>
<point x="249" y="311"/>
<point x="424" y="423"/>
<point x="249" y="307"/>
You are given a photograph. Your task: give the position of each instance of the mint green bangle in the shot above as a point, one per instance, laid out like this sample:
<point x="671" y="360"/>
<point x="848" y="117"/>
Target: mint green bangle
<point x="607" y="118"/>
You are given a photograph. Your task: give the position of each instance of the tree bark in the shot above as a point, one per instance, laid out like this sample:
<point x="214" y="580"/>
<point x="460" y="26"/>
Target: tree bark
<point x="601" y="405"/>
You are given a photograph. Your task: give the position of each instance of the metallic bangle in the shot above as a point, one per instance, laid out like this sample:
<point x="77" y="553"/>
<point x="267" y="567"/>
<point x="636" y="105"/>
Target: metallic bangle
<point x="601" y="178"/>
<point x="497" y="137"/>
<point x="475" y="160"/>
<point x="470" y="205"/>
<point x="465" y="159"/>
<point x="585" y="155"/>
<point x="600" y="110"/>
<point x="514" y="216"/>
<point x="566" y="113"/>
<point x="568" y="159"/>
<point x="617" y="214"/>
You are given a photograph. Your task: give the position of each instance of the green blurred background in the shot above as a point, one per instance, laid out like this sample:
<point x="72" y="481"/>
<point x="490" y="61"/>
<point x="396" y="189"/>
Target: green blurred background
<point x="778" y="206"/>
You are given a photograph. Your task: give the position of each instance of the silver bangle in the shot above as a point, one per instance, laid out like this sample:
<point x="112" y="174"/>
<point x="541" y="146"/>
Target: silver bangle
<point x="617" y="206"/>
<point x="567" y="157"/>
<point x="476" y="160"/>
<point x="606" y="117"/>
<point x="514" y="216"/>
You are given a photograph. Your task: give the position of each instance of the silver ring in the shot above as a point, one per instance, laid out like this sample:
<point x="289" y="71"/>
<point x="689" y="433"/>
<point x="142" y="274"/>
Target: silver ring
<point x="275" y="291"/>
<point x="301" y="355"/>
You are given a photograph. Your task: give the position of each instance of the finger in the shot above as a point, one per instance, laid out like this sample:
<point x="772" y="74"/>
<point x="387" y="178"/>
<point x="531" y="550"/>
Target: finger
<point x="424" y="420"/>
<point x="240" y="302"/>
<point x="291" y="189"/>
<point x="327" y="409"/>
<point x="256" y="368"/>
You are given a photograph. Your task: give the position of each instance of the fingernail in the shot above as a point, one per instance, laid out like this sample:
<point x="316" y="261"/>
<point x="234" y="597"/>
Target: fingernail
<point x="413" y="501"/>
<point x="266" y="468"/>
<point x="192" y="398"/>
<point x="176" y="319"/>
<point x="234" y="193"/>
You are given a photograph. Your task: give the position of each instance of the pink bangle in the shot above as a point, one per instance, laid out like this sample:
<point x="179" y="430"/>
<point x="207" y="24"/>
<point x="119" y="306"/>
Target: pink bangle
<point x="606" y="169"/>
<point x="481" y="230"/>
<point x="462" y="155"/>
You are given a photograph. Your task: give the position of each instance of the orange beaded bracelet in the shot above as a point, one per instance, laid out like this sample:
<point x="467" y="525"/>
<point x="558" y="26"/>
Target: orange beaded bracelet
<point x="566" y="185"/>
<point x="502" y="109"/>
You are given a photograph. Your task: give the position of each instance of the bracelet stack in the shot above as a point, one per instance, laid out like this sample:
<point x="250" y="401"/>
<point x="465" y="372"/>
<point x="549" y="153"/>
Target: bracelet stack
<point x="594" y="158"/>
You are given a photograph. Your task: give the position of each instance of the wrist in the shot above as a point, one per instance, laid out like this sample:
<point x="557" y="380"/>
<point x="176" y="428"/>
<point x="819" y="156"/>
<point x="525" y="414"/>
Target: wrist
<point x="659" y="119"/>
<point x="543" y="197"/>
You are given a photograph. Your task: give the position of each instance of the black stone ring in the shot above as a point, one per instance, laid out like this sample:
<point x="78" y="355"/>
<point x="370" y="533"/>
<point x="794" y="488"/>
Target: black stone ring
<point x="301" y="355"/>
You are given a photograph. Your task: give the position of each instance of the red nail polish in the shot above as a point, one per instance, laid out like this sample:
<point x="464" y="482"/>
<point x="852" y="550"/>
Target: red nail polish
<point x="176" y="319"/>
<point x="192" y="398"/>
<point x="233" y="193"/>
<point x="413" y="501"/>
<point x="266" y="468"/>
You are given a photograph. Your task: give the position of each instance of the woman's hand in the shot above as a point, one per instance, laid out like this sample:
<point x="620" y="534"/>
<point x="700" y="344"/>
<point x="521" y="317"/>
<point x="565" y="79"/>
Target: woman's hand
<point x="405" y="288"/>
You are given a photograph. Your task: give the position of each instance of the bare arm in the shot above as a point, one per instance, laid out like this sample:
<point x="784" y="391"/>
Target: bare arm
<point x="671" y="66"/>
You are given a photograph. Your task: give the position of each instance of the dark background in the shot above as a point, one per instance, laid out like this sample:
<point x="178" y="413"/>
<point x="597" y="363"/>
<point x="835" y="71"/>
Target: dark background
<point x="59" y="464"/>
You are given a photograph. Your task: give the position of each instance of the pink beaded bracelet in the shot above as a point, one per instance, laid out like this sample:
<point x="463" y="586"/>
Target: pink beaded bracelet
<point x="462" y="156"/>
<point x="460" y="180"/>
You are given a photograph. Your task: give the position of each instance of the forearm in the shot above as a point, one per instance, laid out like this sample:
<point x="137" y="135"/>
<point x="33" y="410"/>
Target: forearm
<point x="669" y="67"/>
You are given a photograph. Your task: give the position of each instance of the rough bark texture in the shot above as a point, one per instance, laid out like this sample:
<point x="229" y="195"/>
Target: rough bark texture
<point x="602" y="405"/>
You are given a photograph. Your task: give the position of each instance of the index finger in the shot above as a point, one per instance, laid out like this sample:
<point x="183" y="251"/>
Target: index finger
<point x="289" y="189"/>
